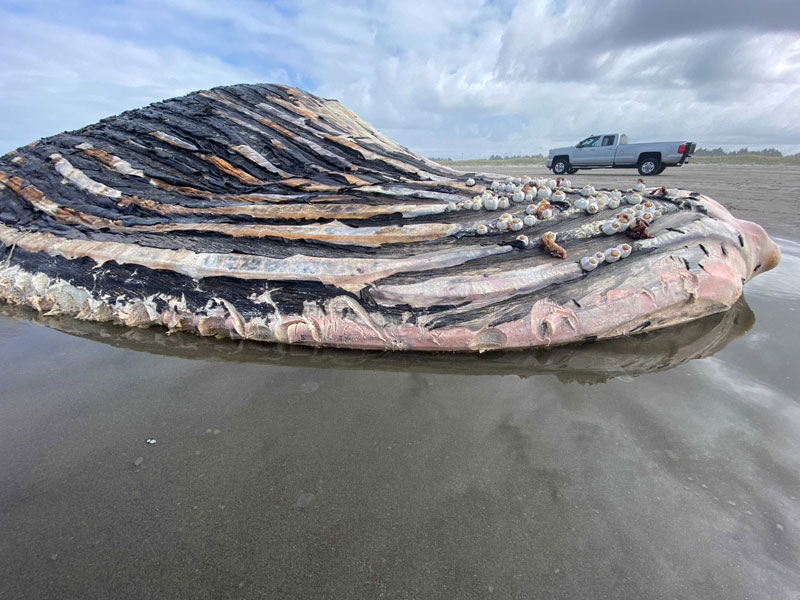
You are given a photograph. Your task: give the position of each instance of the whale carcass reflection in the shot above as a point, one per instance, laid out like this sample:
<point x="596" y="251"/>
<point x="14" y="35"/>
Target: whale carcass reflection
<point x="591" y="362"/>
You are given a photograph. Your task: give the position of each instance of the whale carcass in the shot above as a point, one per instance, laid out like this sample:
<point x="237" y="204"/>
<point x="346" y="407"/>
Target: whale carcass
<point x="263" y="212"/>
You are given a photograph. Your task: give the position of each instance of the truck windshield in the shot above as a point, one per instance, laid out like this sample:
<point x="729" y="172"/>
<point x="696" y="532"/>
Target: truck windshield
<point x="589" y="142"/>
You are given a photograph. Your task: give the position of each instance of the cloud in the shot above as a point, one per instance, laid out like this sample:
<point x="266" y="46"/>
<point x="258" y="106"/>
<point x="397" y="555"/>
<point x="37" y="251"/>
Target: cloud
<point x="58" y="78"/>
<point x="461" y="78"/>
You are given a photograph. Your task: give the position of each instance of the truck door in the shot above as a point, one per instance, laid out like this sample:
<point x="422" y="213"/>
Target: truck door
<point x="606" y="150"/>
<point x="586" y="151"/>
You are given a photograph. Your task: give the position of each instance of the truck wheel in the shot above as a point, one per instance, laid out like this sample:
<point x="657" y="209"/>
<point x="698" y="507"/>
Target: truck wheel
<point x="560" y="166"/>
<point x="660" y="169"/>
<point x="649" y="166"/>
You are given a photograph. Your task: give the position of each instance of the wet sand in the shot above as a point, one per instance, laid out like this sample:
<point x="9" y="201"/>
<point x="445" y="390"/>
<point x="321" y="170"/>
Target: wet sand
<point x="661" y="466"/>
<point x="766" y="194"/>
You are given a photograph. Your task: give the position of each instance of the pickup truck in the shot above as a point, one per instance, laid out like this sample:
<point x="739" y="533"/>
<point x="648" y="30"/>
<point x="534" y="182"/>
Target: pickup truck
<point x="613" y="151"/>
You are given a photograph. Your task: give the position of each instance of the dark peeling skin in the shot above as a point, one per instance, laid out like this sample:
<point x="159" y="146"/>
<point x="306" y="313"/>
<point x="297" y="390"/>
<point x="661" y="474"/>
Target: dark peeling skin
<point x="264" y="212"/>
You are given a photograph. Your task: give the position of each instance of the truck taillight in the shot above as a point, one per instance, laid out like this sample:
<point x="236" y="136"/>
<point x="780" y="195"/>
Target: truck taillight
<point x="681" y="148"/>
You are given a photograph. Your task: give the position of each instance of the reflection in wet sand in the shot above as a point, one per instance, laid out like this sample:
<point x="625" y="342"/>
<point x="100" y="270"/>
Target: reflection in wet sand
<point x="592" y="362"/>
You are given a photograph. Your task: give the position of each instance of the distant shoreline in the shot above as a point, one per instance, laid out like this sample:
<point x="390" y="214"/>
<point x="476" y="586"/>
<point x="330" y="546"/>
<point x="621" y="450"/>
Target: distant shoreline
<point x="736" y="159"/>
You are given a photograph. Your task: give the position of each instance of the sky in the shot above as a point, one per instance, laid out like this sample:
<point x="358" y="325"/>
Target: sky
<point x="446" y="78"/>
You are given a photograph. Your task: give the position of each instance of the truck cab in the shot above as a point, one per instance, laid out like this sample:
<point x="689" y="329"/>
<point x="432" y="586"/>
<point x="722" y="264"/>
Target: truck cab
<point x="612" y="150"/>
<point x="597" y="149"/>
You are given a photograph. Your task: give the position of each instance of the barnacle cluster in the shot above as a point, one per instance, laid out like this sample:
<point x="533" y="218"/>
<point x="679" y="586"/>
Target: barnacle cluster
<point x="543" y="198"/>
<point x="610" y="255"/>
<point x="631" y="217"/>
<point x="534" y="193"/>
<point x="595" y="202"/>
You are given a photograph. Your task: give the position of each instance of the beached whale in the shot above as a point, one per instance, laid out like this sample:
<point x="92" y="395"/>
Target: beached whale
<point x="264" y="212"/>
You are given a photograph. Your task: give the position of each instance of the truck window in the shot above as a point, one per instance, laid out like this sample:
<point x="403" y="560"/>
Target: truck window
<point x="589" y="142"/>
<point x="608" y="140"/>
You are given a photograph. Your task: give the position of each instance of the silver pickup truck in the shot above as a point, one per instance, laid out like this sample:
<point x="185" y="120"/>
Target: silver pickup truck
<point x="613" y="151"/>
